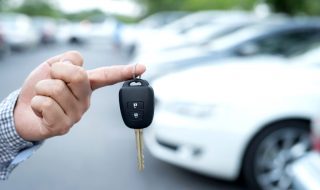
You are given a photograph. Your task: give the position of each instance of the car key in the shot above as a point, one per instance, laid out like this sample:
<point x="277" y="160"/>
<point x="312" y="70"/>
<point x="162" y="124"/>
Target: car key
<point x="136" y="99"/>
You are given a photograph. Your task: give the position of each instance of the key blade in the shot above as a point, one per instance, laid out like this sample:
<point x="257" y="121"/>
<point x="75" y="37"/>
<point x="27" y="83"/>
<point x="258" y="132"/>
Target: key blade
<point x="139" y="143"/>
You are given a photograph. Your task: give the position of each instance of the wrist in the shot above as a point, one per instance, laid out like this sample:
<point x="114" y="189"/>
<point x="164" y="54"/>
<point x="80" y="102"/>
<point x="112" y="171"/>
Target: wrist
<point x="8" y="134"/>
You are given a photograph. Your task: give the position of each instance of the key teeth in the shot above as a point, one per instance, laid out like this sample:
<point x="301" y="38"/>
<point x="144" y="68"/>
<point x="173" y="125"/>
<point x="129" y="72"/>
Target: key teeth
<point x="141" y="164"/>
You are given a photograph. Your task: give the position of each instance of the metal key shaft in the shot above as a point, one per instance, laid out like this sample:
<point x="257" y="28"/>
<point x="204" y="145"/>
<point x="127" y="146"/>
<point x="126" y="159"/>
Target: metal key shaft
<point x="139" y="143"/>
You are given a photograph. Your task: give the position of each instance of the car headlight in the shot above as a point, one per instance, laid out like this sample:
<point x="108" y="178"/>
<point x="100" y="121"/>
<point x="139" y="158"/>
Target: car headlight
<point x="191" y="109"/>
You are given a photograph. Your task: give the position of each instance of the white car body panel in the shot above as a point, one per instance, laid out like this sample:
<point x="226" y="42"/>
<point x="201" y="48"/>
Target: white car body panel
<point x="245" y="96"/>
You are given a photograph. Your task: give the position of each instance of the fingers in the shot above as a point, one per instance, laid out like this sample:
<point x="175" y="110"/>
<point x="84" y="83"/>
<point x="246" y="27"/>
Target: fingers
<point x="110" y="75"/>
<point x="59" y="91"/>
<point x="54" y="121"/>
<point x="61" y="99"/>
<point x="74" y="76"/>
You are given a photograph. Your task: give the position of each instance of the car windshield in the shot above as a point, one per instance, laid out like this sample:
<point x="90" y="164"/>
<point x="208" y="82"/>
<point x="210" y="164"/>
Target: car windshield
<point x="222" y="31"/>
<point x="264" y="39"/>
<point x="228" y="41"/>
<point x="191" y="21"/>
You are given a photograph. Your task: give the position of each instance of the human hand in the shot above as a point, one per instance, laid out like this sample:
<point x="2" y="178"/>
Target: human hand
<point x="57" y="93"/>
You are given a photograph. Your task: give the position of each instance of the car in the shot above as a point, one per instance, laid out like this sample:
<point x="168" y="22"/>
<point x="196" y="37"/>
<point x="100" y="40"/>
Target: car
<point x="130" y="34"/>
<point x="46" y="28"/>
<point x="272" y="37"/>
<point x="237" y="117"/>
<point x="18" y="31"/>
<point x="197" y="26"/>
<point x="74" y="32"/>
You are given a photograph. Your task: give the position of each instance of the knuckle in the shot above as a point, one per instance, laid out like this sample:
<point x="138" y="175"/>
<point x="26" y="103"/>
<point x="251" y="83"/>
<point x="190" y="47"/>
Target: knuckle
<point x="63" y="131"/>
<point x="77" y="117"/>
<point x="74" y="55"/>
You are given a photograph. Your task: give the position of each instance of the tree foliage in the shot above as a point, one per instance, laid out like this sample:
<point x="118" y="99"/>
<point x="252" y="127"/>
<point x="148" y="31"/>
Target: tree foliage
<point x="3" y="4"/>
<point x="94" y="15"/>
<point x="296" y="7"/>
<point x="39" y="8"/>
<point x="194" y="5"/>
<point x="291" y="7"/>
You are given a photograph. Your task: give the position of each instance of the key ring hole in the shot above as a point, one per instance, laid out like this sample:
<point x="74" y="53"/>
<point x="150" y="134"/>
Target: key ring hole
<point x="135" y="83"/>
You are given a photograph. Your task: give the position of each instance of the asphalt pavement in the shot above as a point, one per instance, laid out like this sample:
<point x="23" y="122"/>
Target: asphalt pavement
<point x="99" y="152"/>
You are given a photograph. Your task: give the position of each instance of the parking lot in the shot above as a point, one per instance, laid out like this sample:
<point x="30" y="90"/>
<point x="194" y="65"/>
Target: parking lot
<point x="99" y="152"/>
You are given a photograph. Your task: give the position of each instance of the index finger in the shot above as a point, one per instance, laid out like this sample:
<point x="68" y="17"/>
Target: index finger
<point x="105" y="76"/>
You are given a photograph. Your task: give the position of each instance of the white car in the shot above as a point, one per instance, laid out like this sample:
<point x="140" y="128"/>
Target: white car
<point x="280" y="37"/>
<point x="132" y="33"/>
<point x="197" y="27"/>
<point x="18" y="31"/>
<point x="74" y="32"/>
<point x="247" y="116"/>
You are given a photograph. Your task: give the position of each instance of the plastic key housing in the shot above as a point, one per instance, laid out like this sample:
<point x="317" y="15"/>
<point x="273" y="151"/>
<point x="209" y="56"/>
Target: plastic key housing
<point x="136" y="99"/>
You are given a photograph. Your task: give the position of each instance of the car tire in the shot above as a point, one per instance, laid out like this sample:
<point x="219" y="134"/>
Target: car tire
<point x="271" y="151"/>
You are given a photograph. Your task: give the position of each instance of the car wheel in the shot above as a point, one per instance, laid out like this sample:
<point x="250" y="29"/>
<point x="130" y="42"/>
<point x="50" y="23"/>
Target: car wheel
<point x="271" y="151"/>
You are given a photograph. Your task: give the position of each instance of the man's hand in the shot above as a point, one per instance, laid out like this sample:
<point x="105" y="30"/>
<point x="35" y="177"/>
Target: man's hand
<point x="57" y="93"/>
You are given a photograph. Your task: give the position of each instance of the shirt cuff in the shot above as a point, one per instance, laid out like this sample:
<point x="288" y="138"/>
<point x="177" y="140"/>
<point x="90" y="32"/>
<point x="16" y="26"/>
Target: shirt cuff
<point x="11" y="144"/>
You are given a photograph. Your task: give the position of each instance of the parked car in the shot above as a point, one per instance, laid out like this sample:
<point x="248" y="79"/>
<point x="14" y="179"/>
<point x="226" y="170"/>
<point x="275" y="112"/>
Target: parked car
<point x="273" y="37"/>
<point x="131" y="33"/>
<point x="234" y="117"/>
<point x="18" y="31"/>
<point x="46" y="28"/>
<point x="74" y="32"/>
<point x="202" y="27"/>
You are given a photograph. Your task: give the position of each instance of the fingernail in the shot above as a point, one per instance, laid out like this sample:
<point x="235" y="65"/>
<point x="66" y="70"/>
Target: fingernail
<point x="66" y="61"/>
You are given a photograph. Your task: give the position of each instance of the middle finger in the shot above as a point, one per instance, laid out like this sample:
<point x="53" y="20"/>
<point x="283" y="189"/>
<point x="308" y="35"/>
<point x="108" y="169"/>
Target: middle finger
<point x="59" y="91"/>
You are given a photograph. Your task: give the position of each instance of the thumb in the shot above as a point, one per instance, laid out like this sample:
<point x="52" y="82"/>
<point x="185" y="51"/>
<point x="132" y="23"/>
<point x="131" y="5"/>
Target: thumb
<point x="105" y="76"/>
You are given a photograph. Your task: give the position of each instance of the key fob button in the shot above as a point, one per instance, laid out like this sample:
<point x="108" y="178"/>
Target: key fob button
<point x="136" y="115"/>
<point x="135" y="105"/>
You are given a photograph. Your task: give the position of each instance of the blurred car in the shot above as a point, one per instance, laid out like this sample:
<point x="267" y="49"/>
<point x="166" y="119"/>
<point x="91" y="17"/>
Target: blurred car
<point x="195" y="28"/>
<point x="245" y="117"/>
<point x="74" y="32"/>
<point x="131" y="33"/>
<point x="47" y="29"/>
<point x="272" y="37"/>
<point x="18" y="31"/>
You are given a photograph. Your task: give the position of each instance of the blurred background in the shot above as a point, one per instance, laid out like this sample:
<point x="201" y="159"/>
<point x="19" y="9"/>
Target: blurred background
<point x="236" y="86"/>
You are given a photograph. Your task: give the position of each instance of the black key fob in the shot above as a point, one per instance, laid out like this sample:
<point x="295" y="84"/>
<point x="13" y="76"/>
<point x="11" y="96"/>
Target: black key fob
<point x="136" y="98"/>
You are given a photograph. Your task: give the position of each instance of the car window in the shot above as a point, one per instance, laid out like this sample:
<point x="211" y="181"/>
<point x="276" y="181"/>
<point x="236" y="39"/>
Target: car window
<point x="287" y="44"/>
